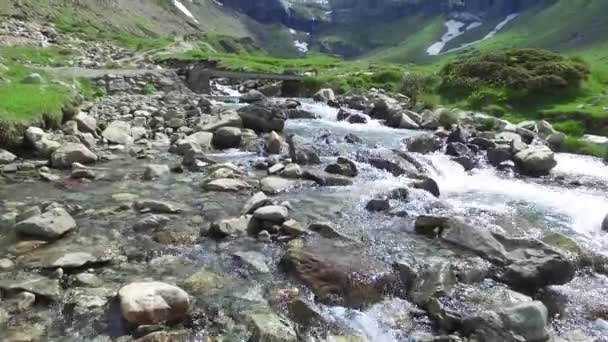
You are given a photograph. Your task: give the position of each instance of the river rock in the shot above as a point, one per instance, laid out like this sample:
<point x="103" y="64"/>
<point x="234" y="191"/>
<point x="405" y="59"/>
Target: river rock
<point x="389" y="161"/>
<point x="227" y="137"/>
<point x="49" y="225"/>
<point x="351" y="116"/>
<point x="499" y="154"/>
<point x="301" y="152"/>
<point x="198" y="140"/>
<point x="274" y="143"/>
<point x="226" y="185"/>
<point x="483" y="143"/>
<point x="268" y="327"/>
<point x="324" y="178"/>
<point x="67" y="256"/>
<point x="252" y="96"/>
<point x="272" y="213"/>
<point x="253" y="260"/>
<point x="378" y="205"/>
<point x="86" y="123"/>
<point x="154" y="171"/>
<point x="428" y="184"/>
<point x="291" y="171"/>
<point x="70" y="153"/>
<point x="401" y="120"/>
<point x="154" y="206"/>
<point x="344" y="167"/>
<point x="424" y="143"/>
<point x="324" y="95"/>
<point x="338" y="274"/>
<point x="118" y="132"/>
<point x="458" y="135"/>
<point x="226" y="119"/>
<point x="431" y="119"/>
<point x="300" y="114"/>
<point x="229" y="227"/>
<point x="274" y="185"/>
<point x="263" y="117"/>
<point x="257" y="201"/>
<point x="535" y="161"/>
<point x="384" y="107"/>
<point x="153" y="303"/>
<point x="293" y="228"/>
<point x="6" y="157"/>
<point x="512" y="139"/>
<point x="34" y="283"/>
<point x="151" y="222"/>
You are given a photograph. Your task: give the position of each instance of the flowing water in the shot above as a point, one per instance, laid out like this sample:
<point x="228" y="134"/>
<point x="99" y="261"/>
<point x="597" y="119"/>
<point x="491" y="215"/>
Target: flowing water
<point x="502" y="201"/>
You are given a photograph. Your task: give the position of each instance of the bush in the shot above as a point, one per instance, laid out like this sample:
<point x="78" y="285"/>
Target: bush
<point x="486" y="124"/>
<point x="416" y="85"/>
<point x="495" y="110"/>
<point x="149" y="89"/>
<point x="519" y="72"/>
<point x="312" y="84"/>
<point x="577" y="146"/>
<point x="485" y="97"/>
<point x="387" y="76"/>
<point x="570" y="127"/>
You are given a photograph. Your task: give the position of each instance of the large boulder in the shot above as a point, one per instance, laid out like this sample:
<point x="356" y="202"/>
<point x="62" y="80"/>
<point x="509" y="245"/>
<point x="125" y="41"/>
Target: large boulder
<point x="118" y="132"/>
<point x="297" y="113"/>
<point x="145" y="303"/>
<point x="339" y="274"/>
<point x="49" y="225"/>
<point x="6" y="157"/>
<point x="351" y="116"/>
<point x="535" y="161"/>
<point x="227" y="137"/>
<point x="401" y="120"/>
<point x="263" y="117"/>
<point x="424" y="143"/>
<point x="70" y="153"/>
<point x="324" y="95"/>
<point x="390" y="161"/>
<point x="252" y="96"/>
<point x="86" y="123"/>
<point x="301" y="152"/>
<point x="198" y="140"/>
<point x="384" y="107"/>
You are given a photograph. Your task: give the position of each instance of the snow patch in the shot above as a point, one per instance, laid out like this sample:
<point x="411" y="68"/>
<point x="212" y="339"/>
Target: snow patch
<point x="301" y="46"/>
<point x="473" y="25"/>
<point x="490" y="35"/>
<point x="292" y="31"/>
<point x="501" y="25"/>
<point x="184" y="10"/>
<point x="454" y="30"/>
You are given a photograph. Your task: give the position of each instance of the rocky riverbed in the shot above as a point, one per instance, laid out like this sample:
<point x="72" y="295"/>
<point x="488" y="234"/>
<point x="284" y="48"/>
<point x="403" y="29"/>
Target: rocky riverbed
<point x="181" y="217"/>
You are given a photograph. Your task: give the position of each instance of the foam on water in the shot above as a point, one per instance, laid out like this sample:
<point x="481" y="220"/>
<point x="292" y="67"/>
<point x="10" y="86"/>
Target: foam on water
<point x="584" y="207"/>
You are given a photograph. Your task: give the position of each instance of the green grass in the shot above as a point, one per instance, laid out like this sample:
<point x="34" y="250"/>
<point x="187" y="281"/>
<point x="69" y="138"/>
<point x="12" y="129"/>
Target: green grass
<point x="578" y="146"/>
<point x="24" y="54"/>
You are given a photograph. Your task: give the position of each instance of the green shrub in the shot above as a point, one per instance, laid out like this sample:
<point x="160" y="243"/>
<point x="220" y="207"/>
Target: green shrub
<point x="495" y="110"/>
<point x="578" y="146"/>
<point x="486" y="124"/>
<point x="485" y="97"/>
<point x="570" y="127"/>
<point x="387" y="76"/>
<point x="416" y="85"/>
<point x="521" y="73"/>
<point x="312" y="84"/>
<point x="149" y="89"/>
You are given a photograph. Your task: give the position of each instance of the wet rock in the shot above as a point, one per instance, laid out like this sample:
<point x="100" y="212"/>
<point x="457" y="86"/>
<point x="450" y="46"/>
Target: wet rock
<point x="514" y="140"/>
<point x="327" y="230"/>
<point x="253" y="260"/>
<point x="23" y="301"/>
<point x="326" y="179"/>
<point x="273" y="213"/>
<point x="195" y="141"/>
<point x="229" y="227"/>
<point x="458" y="135"/>
<point x="389" y="161"/>
<point x="263" y="117"/>
<point x="483" y="143"/>
<point x="252" y="96"/>
<point x="527" y="321"/>
<point x="344" y="167"/>
<point x="339" y="275"/>
<point x="535" y="161"/>
<point x="151" y="222"/>
<point x="87" y="280"/>
<point x="157" y="207"/>
<point x="435" y="279"/>
<point x="6" y="264"/>
<point x="300" y="114"/>
<point x="70" y="153"/>
<point x="154" y="171"/>
<point x="302" y="153"/>
<point x="88" y="140"/>
<point x="118" y="132"/>
<point x="268" y="327"/>
<point x="400" y="119"/>
<point x="49" y="225"/>
<point x="274" y="143"/>
<point x="274" y="185"/>
<point x="376" y="205"/>
<point x="226" y="185"/>
<point x="227" y="137"/>
<point x="27" y="213"/>
<point x="351" y="116"/>
<point x="427" y="184"/>
<point x="384" y="107"/>
<point x="86" y="123"/>
<point x="457" y="149"/>
<point x="153" y="302"/>
<point x="276" y="168"/>
<point x="424" y="143"/>
<point x="6" y="157"/>
<point x="291" y="171"/>
<point x="257" y="201"/>
<point x="605" y="223"/>
<point x="67" y="256"/>
<point x="431" y="119"/>
<point x="352" y="139"/>
<point x="293" y="228"/>
<point x="324" y="95"/>
<point x="499" y="154"/>
<point x="34" y="283"/>
<point x="82" y="174"/>
<point x="304" y="313"/>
